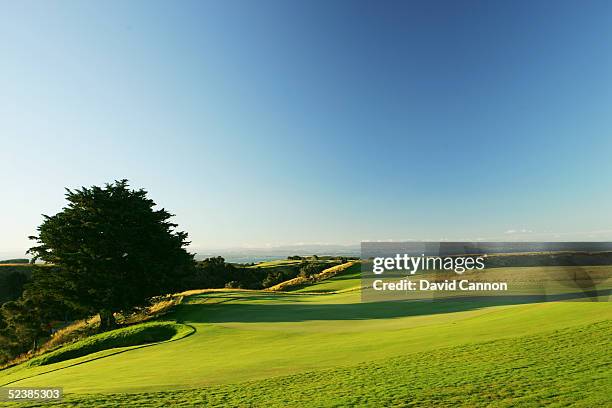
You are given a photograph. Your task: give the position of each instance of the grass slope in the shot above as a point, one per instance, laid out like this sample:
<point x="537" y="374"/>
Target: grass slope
<point x="273" y="264"/>
<point x="269" y="339"/>
<point x="566" y="367"/>
<point x="125" y="337"/>
<point x="348" y="279"/>
<point x="304" y="284"/>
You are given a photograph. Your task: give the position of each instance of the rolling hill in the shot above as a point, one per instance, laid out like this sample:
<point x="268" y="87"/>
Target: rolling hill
<point x="313" y="347"/>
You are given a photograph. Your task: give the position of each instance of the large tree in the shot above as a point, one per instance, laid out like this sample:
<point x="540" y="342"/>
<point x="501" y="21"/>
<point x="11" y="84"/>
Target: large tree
<point x="111" y="250"/>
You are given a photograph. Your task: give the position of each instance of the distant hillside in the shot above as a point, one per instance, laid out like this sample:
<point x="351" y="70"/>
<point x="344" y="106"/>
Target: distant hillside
<point x="248" y="255"/>
<point x="562" y="258"/>
<point x="15" y="261"/>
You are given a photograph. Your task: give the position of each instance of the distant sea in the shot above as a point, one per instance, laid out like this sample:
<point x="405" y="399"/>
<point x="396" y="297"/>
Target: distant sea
<point x="255" y="255"/>
<point x="247" y="255"/>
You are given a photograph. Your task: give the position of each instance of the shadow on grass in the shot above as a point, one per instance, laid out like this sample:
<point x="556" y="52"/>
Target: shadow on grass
<point x="354" y="275"/>
<point x="246" y="312"/>
<point x="224" y="297"/>
<point x="120" y="350"/>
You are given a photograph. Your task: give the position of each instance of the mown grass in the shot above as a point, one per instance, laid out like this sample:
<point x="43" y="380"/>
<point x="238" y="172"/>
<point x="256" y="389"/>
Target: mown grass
<point x="279" y="262"/>
<point x="124" y="337"/>
<point x="347" y="279"/>
<point x="291" y="262"/>
<point x="350" y="267"/>
<point x="569" y="367"/>
<point x="84" y="328"/>
<point x="306" y="349"/>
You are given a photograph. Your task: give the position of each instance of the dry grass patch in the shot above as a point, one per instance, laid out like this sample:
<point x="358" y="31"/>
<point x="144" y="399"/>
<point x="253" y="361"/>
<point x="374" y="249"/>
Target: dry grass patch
<point x="81" y="329"/>
<point x="300" y="280"/>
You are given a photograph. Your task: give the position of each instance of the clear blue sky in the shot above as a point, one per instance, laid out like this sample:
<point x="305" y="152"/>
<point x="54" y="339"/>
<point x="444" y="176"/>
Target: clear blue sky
<point x="277" y="122"/>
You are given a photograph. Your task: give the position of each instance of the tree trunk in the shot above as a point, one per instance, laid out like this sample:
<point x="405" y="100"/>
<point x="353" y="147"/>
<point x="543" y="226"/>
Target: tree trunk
<point x="107" y="320"/>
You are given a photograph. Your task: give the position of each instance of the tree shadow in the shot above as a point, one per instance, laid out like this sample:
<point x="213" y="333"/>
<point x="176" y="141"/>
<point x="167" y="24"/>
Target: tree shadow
<point x="300" y="312"/>
<point x="354" y="275"/>
<point x="224" y="297"/>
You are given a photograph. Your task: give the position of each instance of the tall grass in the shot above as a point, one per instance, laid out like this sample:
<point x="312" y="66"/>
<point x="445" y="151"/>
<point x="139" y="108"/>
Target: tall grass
<point x="80" y="329"/>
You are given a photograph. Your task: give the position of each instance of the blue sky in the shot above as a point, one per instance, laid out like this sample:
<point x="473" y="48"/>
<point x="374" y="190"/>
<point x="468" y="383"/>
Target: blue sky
<point x="282" y="122"/>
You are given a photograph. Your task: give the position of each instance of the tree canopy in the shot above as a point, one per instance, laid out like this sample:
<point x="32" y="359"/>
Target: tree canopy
<point x="111" y="250"/>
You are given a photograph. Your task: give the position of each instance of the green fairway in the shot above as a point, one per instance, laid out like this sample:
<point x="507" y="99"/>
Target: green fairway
<point x="569" y="367"/>
<point x="268" y="339"/>
<point x="349" y="279"/>
<point x="279" y="262"/>
<point x="288" y="262"/>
